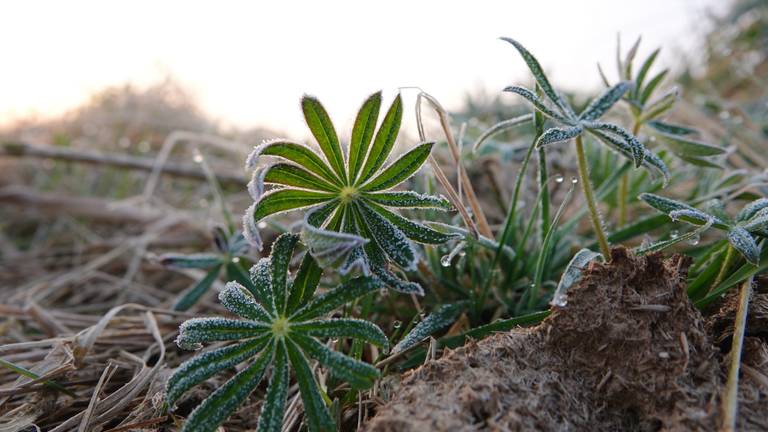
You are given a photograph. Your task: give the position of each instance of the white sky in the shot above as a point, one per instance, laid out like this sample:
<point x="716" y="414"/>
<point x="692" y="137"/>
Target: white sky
<point x="248" y="63"/>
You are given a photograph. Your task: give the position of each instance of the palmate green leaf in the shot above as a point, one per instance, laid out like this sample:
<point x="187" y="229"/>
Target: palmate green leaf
<point x="444" y="316"/>
<point x="336" y="297"/>
<point x="196" y="330"/>
<point x="203" y="366"/>
<point x="362" y="134"/>
<point x="401" y="169"/>
<point x="650" y="160"/>
<point x="273" y="409"/>
<point x="181" y="261"/>
<point x="604" y="102"/>
<point x="189" y="297"/>
<point x="555" y="135"/>
<point x="359" y="374"/>
<point x="413" y="230"/>
<point x="499" y="127"/>
<point x="384" y="141"/>
<point x="743" y="242"/>
<point x="652" y="84"/>
<point x="327" y="246"/>
<point x="389" y="238"/>
<point x="395" y="282"/>
<point x="643" y="72"/>
<point x="537" y="103"/>
<point x="282" y="200"/>
<point x="317" y="417"/>
<point x="344" y="327"/>
<point x="636" y="148"/>
<point x="282" y="250"/>
<point x="224" y="401"/>
<point x="286" y="174"/>
<point x="235" y="299"/>
<point x="409" y="199"/>
<point x="293" y="152"/>
<point x="687" y="147"/>
<point x="537" y="71"/>
<point x="322" y="128"/>
<point x="750" y="210"/>
<point x="306" y="281"/>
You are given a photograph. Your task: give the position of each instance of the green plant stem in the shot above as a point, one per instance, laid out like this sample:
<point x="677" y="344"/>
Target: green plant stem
<point x="729" y="254"/>
<point x="730" y="398"/>
<point x="538" y="122"/>
<point x="589" y="196"/>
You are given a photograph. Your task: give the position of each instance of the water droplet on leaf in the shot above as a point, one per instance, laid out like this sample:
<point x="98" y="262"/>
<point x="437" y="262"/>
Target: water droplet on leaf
<point x="574" y="180"/>
<point x="559" y="178"/>
<point x="397" y="324"/>
<point x="262" y="225"/>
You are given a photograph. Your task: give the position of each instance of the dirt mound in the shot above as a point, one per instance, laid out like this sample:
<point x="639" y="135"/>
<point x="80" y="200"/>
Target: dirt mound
<point x="628" y="352"/>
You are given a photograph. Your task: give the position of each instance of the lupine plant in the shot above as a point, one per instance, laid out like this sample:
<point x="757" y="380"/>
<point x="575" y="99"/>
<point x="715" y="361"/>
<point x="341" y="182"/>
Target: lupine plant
<point x="273" y="333"/>
<point x="351" y="223"/>
<point x="741" y="232"/>
<point x="572" y="126"/>
<point x="231" y="249"/>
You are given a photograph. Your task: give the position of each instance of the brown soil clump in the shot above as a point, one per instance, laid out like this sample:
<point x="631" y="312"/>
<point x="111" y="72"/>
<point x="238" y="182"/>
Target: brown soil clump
<point x="628" y="352"/>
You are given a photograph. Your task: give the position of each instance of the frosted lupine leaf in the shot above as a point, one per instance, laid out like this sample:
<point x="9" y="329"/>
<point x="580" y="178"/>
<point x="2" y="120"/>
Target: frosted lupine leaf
<point x="359" y="374"/>
<point x="273" y="408"/>
<point x="626" y="66"/>
<point x="181" y="261"/>
<point x="751" y="209"/>
<point x="604" y="102"/>
<point x="192" y="294"/>
<point x="672" y="129"/>
<point x="555" y="135"/>
<point x="700" y="161"/>
<point x="390" y="238"/>
<point x="395" y="282"/>
<point x="282" y="251"/>
<point x="220" y="239"/>
<point x="572" y="274"/>
<point x="661" y="105"/>
<point x="643" y="72"/>
<point x="224" y="401"/>
<point x="328" y="248"/>
<point x="537" y="103"/>
<point x="499" y="127"/>
<point x="293" y="152"/>
<point x="444" y="316"/>
<point x="251" y="229"/>
<point x="261" y="280"/>
<point x="286" y="174"/>
<point x="235" y="299"/>
<point x="695" y="217"/>
<point x="659" y="246"/>
<point x="652" y="84"/>
<point x="743" y="242"/>
<point x="362" y="134"/>
<point x="384" y="141"/>
<point x="196" y="330"/>
<point x="316" y="415"/>
<point x="413" y="230"/>
<point x="537" y="71"/>
<point x="357" y="261"/>
<point x="342" y="294"/>
<point x="650" y="161"/>
<point x="409" y="199"/>
<point x="283" y="200"/>
<point x="667" y="206"/>
<point x="688" y="147"/>
<point x="322" y="128"/>
<point x="401" y="169"/>
<point x="637" y="149"/>
<point x="344" y="327"/>
<point x="204" y="365"/>
<point x="468" y="237"/>
<point x="759" y="222"/>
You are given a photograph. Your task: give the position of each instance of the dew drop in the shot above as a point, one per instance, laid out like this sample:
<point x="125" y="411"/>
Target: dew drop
<point x="397" y="324"/>
<point x="574" y="180"/>
<point x="236" y="260"/>
<point x="198" y="158"/>
<point x="693" y="241"/>
<point x="262" y="225"/>
<point x="559" y="178"/>
<point x="422" y="315"/>
<point x="445" y="260"/>
<point x="674" y="234"/>
<point x="724" y="115"/>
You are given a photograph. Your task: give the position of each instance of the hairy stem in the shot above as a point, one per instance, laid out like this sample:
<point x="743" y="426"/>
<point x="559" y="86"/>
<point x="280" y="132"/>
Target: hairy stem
<point x="589" y="195"/>
<point x="730" y="399"/>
